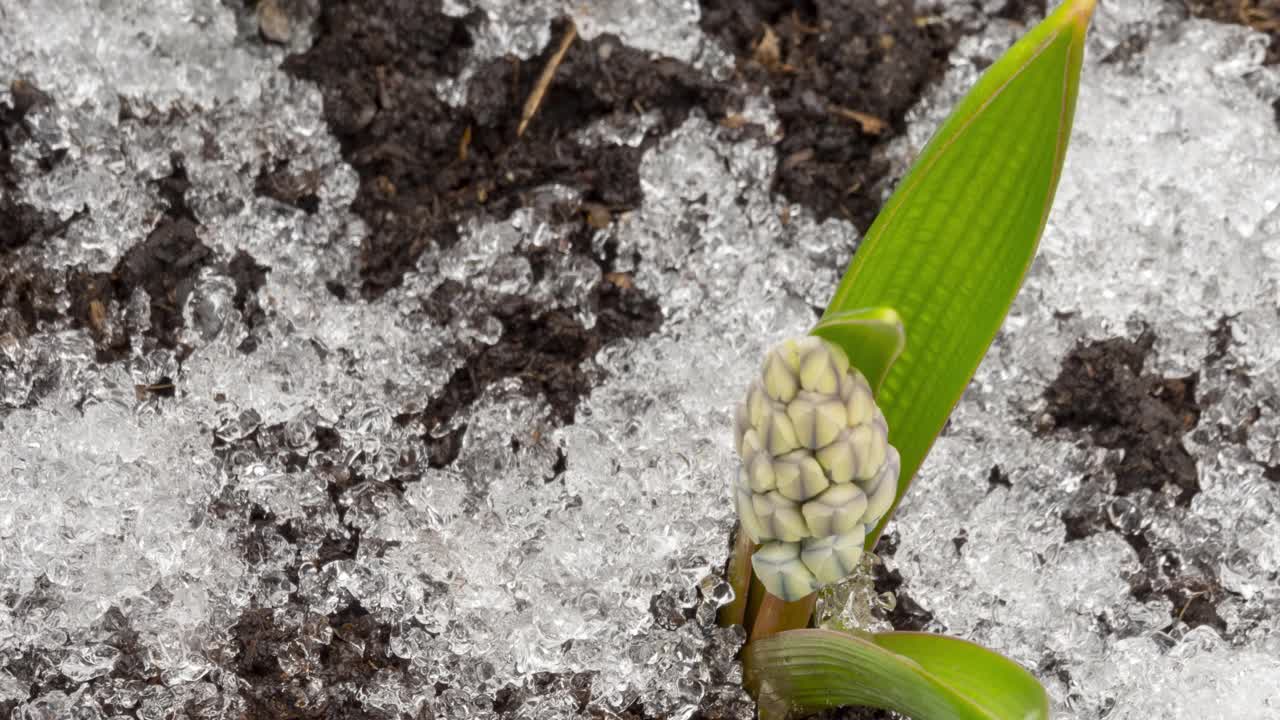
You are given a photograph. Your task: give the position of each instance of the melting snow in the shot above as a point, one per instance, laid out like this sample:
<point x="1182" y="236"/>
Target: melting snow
<point x="120" y="508"/>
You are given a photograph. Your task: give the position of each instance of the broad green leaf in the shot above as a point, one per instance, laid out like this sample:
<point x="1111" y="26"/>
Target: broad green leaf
<point x="951" y="247"/>
<point x="872" y="338"/>
<point x="922" y="676"/>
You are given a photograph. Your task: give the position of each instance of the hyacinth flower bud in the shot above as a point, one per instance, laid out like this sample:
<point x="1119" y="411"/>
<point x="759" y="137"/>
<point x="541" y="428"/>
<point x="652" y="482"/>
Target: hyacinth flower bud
<point x="817" y="470"/>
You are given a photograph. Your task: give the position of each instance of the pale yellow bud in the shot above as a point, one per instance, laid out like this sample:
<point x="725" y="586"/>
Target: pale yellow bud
<point x="838" y="459"/>
<point x="741" y="424"/>
<point x="751" y="445"/>
<point x="868" y="451"/>
<point x="885" y="486"/>
<point x="780" y="383"/>
<point x="837" y="511"/>
<point x="834" y="557"/>
<point x="760" y="472"/>
<point x="816" y="465"/>
<point x="777" y="432"/>
<point x="818" y="419"/>
<point x="819" y="371"/>
<point x="757" y="404"/>
<point x="747" y="516"/>
<point x="780" y="517"/>
<point x="860" y="406"/>
<point x="800" y="477"/>
<point x="781" y="571"/>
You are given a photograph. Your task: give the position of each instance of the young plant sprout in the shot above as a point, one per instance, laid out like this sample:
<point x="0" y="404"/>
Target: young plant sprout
<point x="835" y="426"/>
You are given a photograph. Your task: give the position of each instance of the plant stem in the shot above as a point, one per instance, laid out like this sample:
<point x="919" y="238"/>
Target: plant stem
<point x="740" y="574"/>
<point x="755" y="597"/>
<point x="777" y="615"/>
<point x="759" y="612"/>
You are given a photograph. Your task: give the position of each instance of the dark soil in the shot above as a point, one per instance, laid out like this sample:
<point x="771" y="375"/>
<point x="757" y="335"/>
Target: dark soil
<point x="997" y="478"/>
<point x="823" y="60"/>
<point x="1103" y="391"/>
<point x="349" y="645"/>
<point x="907" y="614"/>
<point x="425" y="166"/>
<point x="358" y="651"/>
<point x="165" y="264"/>
<point x="546" y="352"/>
<point x="1187" y="580"/>
<point x="42" y="673"/>
<point x="294" y="189"/>
<point x="25" y="97"/>
<point x="32" y="668"/>
<point x="26" y="297"/>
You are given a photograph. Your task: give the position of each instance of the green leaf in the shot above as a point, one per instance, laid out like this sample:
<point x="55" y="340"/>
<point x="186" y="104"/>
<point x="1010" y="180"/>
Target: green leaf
<point x="951" y="247"/>
<point x="922" y="676"/>
<point x="872" y="338"/>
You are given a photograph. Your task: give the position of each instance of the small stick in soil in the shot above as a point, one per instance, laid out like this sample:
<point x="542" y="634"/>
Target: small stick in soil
<point x="544" y="80"/>
<point x="464" y="145"/>
<point x="870" y="124"/>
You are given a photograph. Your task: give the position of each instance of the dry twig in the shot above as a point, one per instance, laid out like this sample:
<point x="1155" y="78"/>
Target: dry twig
<point x="544" y="81"/>
<point x="870" y="124"/>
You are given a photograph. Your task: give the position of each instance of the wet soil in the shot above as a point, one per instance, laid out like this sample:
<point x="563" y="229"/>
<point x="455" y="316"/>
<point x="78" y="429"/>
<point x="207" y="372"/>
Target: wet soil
<point x="295" y="189"/>
<point x="426" y="166"/>
<point x="26" y="297"/>
<point x="165" y="265"/>
<point x="906" y="614"/>
<point x="359" y="649"/>
<point x="1104" y="392"/>
<point x="842" y="75"/>
<point x="546" y="351"/>
<point x="295" y="661"/>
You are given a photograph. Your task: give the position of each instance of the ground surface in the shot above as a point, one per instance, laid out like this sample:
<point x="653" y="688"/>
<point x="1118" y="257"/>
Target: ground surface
<point x="327" y="393"/>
